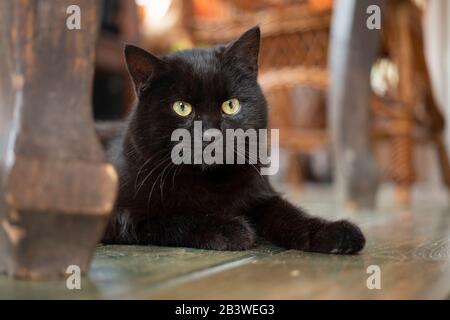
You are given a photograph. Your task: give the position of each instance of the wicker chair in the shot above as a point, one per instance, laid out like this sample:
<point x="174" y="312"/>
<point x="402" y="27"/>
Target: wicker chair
<point x="408" y="114"/>
<point x="294" y="53"/>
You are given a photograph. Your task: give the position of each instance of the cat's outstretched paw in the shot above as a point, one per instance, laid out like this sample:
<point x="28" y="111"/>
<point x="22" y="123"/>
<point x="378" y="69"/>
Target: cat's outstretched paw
<point x="340" y="237"/>
<point x="234" y="234"/>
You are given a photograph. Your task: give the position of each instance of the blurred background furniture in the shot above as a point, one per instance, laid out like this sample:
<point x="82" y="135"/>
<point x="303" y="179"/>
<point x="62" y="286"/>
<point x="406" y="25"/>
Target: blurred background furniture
<point x="353" y="51"/>
<point x="293" y="74"/>
<point x="406" y="111"/>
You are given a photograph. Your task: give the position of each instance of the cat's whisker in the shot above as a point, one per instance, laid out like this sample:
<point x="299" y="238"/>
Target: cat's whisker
<point x="150" y="173"/>
<point x="161" y="184"/>
<point x="252" y="165"/>
<point x="177" y="171"/>
<point x="145" y="163"/>
<point x="153" y="186"/>
<point x="252" y="156"/>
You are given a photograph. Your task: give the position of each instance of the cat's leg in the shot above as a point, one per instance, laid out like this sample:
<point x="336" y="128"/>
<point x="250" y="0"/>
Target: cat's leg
<point x="198" y="231"/>
<point x="285" y="225"/>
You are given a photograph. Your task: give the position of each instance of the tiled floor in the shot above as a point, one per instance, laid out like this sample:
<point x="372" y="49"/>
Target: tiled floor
<point x="411" y="249"/>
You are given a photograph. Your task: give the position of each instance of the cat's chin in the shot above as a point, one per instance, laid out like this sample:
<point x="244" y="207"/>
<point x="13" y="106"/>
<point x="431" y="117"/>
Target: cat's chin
<point x="205" y="167"/>
<point x="209" y="167"/>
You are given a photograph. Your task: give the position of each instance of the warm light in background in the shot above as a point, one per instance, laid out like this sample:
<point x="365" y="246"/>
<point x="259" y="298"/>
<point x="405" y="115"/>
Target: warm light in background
<point x="157" y="16"/>
<point x="321" y="4"/>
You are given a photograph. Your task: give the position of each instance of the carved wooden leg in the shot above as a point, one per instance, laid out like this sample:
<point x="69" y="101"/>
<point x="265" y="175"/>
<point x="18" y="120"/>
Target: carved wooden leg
<point x="352" y="53"/>
<point x="436" y="120"/>
<point x="400" y="47"/>
<point x="56" y="188"/>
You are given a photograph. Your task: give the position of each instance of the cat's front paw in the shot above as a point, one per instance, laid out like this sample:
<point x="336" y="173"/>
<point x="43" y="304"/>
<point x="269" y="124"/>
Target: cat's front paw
<point x="340" y="237"/>
<point x="234" y="234"/>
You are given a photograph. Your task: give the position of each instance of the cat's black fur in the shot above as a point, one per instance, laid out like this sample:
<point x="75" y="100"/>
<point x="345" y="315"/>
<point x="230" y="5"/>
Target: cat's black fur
<point x="222" y="207"/>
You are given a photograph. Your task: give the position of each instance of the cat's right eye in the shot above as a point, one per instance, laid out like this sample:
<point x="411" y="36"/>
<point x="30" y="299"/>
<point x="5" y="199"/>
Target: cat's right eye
<point x="182" y="108"/>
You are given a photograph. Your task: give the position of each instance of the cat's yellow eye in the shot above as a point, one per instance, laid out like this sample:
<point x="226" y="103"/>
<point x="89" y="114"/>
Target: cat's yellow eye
<point x="182" y="108"/>
<point x="231" y="106"/>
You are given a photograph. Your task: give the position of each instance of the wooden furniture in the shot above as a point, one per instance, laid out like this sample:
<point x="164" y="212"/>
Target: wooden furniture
<point x="405" y="116"/>
<point x="410" y="111"/>
<point x="353" y="50"/>
<point x="294" y="53"/>
<point x="56" y="188"/>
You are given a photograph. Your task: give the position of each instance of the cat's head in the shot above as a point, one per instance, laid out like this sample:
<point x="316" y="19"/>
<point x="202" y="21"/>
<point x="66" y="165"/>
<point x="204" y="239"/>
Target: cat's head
<point x="217" y="86"/>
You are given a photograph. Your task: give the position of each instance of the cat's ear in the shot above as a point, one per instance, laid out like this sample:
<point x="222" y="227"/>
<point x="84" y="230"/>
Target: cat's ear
<point x="245" y="49"/>
<point x="141" y="64"/>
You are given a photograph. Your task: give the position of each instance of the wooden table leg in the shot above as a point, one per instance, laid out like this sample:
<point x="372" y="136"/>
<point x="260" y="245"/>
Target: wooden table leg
<point x="352" y="53"/>
<point x="56" y="188"/>
<point x="400" y="47"/>
<point x="406" y="47"/>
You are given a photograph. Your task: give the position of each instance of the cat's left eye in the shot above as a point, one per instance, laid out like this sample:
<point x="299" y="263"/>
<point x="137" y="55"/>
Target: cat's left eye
<point x="182" y="108"/>
<point x="231" y="106"/>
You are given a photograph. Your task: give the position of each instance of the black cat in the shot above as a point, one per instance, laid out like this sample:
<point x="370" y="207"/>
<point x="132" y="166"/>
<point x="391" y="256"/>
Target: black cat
<point x="221" y="207"/>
